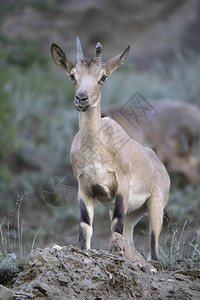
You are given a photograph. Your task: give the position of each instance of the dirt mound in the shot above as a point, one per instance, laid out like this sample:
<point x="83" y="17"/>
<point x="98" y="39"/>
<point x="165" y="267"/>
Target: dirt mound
<point x="68" y="273"/>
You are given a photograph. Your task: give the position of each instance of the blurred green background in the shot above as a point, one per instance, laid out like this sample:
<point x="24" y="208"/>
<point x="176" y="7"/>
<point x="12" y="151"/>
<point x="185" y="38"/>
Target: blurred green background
<point x="38" y="120"/>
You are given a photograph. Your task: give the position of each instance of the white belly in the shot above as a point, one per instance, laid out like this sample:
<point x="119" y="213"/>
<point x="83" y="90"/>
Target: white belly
<point x="136" y="201"/>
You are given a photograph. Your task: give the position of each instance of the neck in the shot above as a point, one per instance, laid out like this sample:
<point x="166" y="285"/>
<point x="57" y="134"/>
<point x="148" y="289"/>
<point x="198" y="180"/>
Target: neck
<point x="90" y="123"/>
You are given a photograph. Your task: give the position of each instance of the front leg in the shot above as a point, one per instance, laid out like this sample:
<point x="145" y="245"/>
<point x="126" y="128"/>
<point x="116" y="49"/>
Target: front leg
<point x="117" y="224"/>
<point x="86" y="218"/>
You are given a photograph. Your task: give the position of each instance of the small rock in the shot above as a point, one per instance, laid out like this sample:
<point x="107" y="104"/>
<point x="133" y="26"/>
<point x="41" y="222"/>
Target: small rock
<point x="136" y="266"/>
<point x="23" y="295"/>
<point x="170" y="280"/>
<point x="156" y="264"/>
<point x="5" y="293"/>
<point x="57" y="247"/>
<point x="180" y="277"/>
<point x="63" y="280"/>
<point x="87" y="283"/>
<point x="87" y="261"/>
<point x="149" y="269"/>
<point x="193" y="273"/>
<point x="119" y="243"/>
<point x="60" y="298"/>
<point x="42" y="287"/>
<point x="154" y="286"/>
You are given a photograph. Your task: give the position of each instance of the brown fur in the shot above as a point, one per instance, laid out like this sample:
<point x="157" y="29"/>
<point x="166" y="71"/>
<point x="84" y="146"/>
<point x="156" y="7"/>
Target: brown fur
<point x="174" y="134"/>
<point x="103" y="154"/>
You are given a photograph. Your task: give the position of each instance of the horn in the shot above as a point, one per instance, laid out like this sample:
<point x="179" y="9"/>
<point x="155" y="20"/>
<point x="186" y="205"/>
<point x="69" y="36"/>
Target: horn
<point x="79" y="49"/>
<point x="98" y="51"/>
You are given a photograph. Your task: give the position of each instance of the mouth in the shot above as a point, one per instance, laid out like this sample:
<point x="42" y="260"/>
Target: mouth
<point x="81" y="106"/>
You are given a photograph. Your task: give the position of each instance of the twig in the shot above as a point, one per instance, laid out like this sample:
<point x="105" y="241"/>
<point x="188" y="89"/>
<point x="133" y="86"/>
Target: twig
<point x="80" y="251"/>
<point x="60" y="259"/>
<point x="106" y="271"/>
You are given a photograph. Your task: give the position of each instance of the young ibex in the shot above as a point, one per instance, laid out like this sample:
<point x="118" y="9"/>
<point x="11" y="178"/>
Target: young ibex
<point x="110" y="167"/>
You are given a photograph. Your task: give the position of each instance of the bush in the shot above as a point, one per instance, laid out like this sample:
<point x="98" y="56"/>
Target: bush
<point x="178" y="250"/>
<point x="22" y="53"/>
<point x="184" y="203"/>
<point x="8" y="133"/>
<point x="177" y="81"/>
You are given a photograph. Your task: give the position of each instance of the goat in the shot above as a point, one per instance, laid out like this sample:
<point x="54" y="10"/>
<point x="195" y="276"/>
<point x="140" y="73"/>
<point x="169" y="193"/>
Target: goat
<point x="173" y="133"/>
<point x="110" y="167"/>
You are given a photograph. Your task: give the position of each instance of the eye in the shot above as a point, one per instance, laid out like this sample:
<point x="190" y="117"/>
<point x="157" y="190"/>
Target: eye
<point x="103" y="78"/>
<point x="72" y="77"/>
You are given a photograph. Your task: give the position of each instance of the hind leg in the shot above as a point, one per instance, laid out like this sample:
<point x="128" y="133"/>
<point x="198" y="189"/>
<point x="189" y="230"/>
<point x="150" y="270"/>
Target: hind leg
<point x="155" y="210"/>
<point x="131" y="220"/>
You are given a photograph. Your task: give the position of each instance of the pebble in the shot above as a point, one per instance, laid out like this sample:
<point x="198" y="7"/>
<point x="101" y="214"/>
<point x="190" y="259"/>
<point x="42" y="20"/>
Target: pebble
<point x="5" y="293"/>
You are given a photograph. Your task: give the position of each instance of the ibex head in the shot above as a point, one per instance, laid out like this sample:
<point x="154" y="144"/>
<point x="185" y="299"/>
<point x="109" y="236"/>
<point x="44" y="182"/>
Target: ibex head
<point x="87" y="76"/>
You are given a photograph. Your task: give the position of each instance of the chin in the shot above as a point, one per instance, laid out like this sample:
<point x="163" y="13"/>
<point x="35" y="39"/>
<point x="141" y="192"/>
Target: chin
<point x="82" y="108"/>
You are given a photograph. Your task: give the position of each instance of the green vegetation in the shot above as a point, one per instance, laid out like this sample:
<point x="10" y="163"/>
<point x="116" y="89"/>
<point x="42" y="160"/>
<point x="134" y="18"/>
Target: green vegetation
<point x="185" y="203"/>
<point x="178" y="81"/>
<point x="16" y="5"/>
<point x="22" y="53"/>
<point x="45" y="5"/>
<point x="15" y="244"/>
<point x="12" y="244"/>
<point x="8" y="141"/>
<point x="178" y="250"/>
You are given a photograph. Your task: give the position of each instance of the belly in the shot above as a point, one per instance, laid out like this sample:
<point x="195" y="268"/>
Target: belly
<point x="136" y="200"/>
<point x="108" y="204"/>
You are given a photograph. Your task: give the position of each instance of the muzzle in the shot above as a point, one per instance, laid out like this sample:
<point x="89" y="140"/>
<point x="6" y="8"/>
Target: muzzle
<point x="81" y="101"/>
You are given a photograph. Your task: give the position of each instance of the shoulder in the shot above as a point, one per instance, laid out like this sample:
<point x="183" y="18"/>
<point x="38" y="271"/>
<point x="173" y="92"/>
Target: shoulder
<point x="110" y="125"/>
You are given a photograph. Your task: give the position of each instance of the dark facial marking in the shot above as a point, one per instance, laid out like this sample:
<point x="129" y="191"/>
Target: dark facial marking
<point x="98" y="191"/>
<point x="153" y="249"/>
<point x="84" y="217"/>
<point x="119" y="214"/>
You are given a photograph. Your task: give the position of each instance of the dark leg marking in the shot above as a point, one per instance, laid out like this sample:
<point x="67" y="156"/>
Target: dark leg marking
<point x="153" y="249"/>
<point x="82" y="238"/>
<point x="119" y="214"/>
<point x="99" y="191"/>
<point x="84" y="217"/>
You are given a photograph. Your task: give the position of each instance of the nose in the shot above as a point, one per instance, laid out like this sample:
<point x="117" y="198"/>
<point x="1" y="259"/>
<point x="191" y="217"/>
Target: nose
<point x="81" y="98"/>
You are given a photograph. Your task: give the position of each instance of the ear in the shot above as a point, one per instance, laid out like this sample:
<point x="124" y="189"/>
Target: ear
<point x="60" y="59"/>
<point x="116" y="61"/>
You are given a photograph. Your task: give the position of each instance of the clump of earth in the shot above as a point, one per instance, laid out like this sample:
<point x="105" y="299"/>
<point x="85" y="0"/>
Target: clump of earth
<point x="61" y="273"/>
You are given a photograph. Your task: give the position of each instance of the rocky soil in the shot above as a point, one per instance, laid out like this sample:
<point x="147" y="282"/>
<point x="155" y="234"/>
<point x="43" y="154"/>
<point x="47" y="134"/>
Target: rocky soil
<point x="61" y="273"/>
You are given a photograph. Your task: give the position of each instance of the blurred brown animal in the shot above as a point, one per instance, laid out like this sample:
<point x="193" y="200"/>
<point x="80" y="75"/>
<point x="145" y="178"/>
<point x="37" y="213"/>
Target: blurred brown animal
<point x="170" y="127"/>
